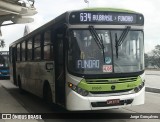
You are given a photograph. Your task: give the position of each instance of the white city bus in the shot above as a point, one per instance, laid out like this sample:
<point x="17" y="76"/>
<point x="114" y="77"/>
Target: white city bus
<point x="86" y="59"/>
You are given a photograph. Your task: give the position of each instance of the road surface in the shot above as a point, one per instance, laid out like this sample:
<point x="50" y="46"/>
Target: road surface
<point x="34" y="104"/>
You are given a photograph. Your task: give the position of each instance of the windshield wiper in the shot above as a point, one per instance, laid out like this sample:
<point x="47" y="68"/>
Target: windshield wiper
<point x="97" y="39"/>
<point x="118" y="42"/>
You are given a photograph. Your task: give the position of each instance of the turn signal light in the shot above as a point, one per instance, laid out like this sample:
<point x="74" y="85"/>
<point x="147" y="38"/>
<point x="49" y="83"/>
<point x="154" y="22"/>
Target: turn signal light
<point x="78" y="89"/>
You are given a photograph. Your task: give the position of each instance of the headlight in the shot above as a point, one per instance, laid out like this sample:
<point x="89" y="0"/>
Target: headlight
<point x="78" y="89"/>
<point x="138" y="88"/>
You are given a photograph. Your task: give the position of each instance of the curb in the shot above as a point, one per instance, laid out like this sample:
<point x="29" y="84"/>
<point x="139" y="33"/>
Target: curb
<point x="154" y="74"/>
<point x="154" y="90"/>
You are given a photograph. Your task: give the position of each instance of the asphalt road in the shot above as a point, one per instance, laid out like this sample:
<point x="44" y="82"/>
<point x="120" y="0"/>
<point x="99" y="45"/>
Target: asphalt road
<point x="152" y="79"/>
<point x="34" y="104"/>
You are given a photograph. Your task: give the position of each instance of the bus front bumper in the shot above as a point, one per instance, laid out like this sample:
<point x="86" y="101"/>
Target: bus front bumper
<point x="76" y="102"/>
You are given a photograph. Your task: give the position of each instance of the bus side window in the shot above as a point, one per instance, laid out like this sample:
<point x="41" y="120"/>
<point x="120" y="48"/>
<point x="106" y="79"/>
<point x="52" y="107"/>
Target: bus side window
<point x="29" y="50"/>
<point x="2" y="61"/>
<point x="37" y="47"/>
<point x="23" y="51"/>
<point x="48" y="47"/>
<point x="18" y="52"/>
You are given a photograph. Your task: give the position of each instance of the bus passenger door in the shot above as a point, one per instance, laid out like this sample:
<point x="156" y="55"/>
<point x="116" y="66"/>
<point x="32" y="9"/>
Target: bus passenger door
<point x="59" y="70"/>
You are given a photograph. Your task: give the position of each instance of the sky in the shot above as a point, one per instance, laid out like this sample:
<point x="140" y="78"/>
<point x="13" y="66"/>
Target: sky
<point x="49" y="9"/>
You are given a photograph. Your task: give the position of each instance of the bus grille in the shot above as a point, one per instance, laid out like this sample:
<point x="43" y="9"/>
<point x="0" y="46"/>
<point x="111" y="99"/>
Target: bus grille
<point x="109" y="92"/>
<point x="111" y="81"/>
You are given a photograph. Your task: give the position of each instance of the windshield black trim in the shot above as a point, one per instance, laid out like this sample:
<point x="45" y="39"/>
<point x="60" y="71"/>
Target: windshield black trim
<point x="103" y="76"/>
<point x="112" y="49"/>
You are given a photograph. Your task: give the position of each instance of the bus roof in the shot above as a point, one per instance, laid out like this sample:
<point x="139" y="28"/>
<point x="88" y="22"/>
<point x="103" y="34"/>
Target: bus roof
<point x="63" y="19"/>
<point x="110" y="10"/>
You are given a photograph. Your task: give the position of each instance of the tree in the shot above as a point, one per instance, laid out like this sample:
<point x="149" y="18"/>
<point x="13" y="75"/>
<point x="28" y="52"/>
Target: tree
<point x="156" y="56"/>
<point x="146" y="59"/>
<point x="2" y="43"/>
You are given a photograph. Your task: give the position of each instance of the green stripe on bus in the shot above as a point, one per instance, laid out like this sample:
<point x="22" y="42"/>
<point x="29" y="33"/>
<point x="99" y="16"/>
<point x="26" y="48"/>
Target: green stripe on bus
<point x="109" y="9"/>
<point x="107" y="87"/>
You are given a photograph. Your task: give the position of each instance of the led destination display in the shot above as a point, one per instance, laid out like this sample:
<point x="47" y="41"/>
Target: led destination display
<point x="105" y="18"/>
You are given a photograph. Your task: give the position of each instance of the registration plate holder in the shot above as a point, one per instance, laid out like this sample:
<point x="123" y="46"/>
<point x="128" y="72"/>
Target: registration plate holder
<point x="113" y="102"/>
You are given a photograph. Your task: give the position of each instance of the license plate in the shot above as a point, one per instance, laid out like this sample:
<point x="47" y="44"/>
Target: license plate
<point x="113" y="102"/>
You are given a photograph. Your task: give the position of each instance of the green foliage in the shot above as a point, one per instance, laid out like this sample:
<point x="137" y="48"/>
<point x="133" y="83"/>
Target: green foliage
<point x="153" y="59"/>
<point x="156" y="55"/>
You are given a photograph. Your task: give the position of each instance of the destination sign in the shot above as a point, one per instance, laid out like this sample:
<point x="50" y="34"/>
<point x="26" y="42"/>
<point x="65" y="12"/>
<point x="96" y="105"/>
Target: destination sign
<point x="105" y="18"/>
<point x="88" y="64"/>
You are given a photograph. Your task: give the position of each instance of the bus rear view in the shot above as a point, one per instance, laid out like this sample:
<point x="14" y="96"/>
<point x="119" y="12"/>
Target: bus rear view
<point x="4" y="64"/>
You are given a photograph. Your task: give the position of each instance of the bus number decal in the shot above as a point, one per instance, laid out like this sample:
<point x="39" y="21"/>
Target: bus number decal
<point x="84" y="17"/>
<point x="107" y="68"/>
<point x="98" y="88"/>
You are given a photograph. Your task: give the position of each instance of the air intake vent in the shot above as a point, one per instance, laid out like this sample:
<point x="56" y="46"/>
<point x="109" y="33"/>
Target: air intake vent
<point x="111" y="81"/>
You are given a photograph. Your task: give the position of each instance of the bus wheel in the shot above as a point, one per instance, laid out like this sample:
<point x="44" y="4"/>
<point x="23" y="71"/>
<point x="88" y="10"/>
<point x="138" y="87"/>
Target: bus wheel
<point x="19" y="86"/>
<point x="47" y="94"/>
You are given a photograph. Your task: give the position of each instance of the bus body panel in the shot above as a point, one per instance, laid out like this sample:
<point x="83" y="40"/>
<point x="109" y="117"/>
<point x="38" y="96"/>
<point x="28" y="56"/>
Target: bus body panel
<point x="34" y="74"/>
<point x="76" y="102"/>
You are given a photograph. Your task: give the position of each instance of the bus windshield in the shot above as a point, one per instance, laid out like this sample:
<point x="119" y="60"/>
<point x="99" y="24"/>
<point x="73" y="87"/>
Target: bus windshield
<point x="86" y="57"/>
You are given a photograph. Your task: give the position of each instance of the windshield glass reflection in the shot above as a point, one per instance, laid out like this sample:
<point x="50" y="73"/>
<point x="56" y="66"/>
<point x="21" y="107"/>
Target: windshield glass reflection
<point x="85" y="56"/>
